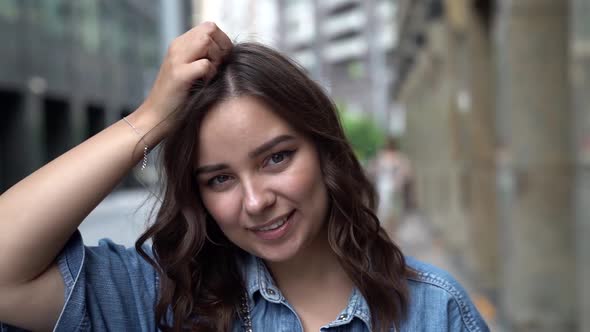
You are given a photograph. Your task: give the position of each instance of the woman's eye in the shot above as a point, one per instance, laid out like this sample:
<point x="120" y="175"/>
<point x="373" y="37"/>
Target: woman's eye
<point x="279" y="157"/>
<point x="218" y="180"/>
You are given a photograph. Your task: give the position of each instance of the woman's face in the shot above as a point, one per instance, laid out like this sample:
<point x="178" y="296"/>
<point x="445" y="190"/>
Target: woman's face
<point x="260" y="179"/>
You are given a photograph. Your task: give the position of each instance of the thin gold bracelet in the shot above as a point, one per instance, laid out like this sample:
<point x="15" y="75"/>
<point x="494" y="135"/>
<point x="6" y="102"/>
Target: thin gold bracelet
<point x="145" y="148"/>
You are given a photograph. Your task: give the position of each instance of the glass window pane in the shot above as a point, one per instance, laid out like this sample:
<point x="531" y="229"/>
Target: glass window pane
<point x="10" y="10"/>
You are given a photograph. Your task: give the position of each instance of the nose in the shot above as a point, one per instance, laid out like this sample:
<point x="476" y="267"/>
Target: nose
<point x="257" y="196"/>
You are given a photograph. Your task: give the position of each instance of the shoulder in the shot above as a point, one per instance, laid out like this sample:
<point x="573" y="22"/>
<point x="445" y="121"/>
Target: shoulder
<point x="113" y="256"/>
<point x="439" y="301"/>
<point x="107" y="287"/>
<point x="429" y="278"/>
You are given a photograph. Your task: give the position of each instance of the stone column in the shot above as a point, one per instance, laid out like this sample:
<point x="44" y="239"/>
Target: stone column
<point x="78" y="119"/>
<point x="580" y="78"/>
<point x="429" y="95"/>
<point x="319" y="70"/>
<point x="536" y="193"/>
<point x="32" y="134"/>
<point x="480" y="154"/>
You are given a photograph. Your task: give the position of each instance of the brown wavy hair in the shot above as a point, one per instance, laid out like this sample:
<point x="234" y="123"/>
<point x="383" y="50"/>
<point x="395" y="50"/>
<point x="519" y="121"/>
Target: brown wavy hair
<point x="200" y="284"/>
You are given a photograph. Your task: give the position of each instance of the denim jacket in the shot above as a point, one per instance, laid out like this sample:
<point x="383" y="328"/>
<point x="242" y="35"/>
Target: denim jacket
<point x="111" y="288"/>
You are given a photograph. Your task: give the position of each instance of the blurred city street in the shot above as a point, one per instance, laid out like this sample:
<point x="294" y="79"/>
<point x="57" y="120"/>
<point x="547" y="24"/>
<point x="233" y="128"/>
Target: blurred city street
<point x="477" y="112"/>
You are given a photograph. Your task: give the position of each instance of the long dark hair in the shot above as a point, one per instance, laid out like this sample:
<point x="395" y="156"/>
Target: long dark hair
<point x="200" y="283"/>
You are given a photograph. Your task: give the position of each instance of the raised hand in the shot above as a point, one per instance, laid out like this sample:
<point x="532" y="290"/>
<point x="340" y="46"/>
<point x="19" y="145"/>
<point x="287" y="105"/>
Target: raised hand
<point x="194" y="55"/>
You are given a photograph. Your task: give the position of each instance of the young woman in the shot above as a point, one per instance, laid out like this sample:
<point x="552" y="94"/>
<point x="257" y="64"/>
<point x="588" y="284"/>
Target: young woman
<point x="266" y="221"/>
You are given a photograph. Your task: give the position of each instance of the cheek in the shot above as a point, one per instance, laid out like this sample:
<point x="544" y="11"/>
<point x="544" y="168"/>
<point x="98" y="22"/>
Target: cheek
<point x="306" y="185"/>
<point x="223" y="207"/>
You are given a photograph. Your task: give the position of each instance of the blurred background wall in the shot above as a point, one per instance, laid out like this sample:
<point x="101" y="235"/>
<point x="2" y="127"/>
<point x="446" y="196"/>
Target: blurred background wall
<point x="489" y="99"/>
<point x="69" y="68"/>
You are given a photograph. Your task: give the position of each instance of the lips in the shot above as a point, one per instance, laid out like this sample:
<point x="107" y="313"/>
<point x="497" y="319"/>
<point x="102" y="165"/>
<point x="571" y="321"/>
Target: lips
<point x="273" y="224"/>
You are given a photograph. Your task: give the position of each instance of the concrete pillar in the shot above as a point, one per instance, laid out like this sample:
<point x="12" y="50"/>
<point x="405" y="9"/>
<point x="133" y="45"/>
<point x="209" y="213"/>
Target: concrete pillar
<point x="32" y="136"/>
<point x="580" y="78"/>
<point x="479" y="153"/>
<point x="171" y="23"/>
<point x="441" y="119"/>
<point x="78" y="119"/>
<point x="319" y="69"/>
<point x="536" y="172"/>
<point x="378" y="81"/>
<point x="429" y="95"/>
<point x="455" y="77"/>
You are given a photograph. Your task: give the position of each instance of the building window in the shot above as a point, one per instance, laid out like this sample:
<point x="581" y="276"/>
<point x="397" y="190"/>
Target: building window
<point x="51" y="15"/>
<point x="10" y="10"/>
<point x="89" y="24"/>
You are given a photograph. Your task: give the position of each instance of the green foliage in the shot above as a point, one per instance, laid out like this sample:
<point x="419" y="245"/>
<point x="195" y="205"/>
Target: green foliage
<point x="363" y="133"/>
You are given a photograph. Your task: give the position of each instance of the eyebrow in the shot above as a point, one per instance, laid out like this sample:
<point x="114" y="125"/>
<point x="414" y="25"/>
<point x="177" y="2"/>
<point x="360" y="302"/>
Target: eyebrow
<point x="269" y="145"/>
<point x="252" y="154"/>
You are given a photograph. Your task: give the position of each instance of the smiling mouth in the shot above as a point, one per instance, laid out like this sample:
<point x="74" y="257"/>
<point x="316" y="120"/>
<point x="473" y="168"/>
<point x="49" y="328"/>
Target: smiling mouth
<point x="274" y="224"/>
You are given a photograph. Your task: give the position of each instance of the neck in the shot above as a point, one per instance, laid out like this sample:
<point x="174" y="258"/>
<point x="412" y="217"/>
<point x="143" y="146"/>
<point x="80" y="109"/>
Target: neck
<point x="314" y="267"/>
<point x="314" y="283"/>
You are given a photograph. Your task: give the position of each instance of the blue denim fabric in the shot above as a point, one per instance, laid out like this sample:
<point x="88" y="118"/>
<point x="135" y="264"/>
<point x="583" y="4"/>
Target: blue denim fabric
<point x="111" y="288"/>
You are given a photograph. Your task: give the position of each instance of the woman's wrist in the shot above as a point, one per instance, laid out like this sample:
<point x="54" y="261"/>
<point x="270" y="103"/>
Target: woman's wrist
<point x="151" y="125"/>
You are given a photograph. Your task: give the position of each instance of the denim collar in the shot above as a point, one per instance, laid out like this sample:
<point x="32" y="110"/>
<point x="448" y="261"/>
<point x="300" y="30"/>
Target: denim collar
<point x="258" y="279"/>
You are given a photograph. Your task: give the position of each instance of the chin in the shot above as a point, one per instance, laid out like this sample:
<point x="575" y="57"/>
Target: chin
<point x="275" y="258"/>
<point x="276" y="255"/>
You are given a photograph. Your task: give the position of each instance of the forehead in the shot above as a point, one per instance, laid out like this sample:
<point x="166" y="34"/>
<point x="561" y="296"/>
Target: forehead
<point x="238" y="124"/>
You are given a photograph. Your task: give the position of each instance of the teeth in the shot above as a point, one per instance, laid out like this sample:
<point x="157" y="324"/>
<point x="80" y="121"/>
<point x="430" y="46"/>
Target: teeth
<point x="273" y="226"/>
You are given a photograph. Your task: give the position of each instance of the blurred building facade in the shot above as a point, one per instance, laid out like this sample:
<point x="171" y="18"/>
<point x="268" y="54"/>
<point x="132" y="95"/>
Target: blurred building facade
<point x="497" y="123"/>
<point x="346" y="45"/>
<point x="242" y="20"/>
<point x="580" y="105"/>
<point x="69" y="68"/>
<point x="498" y="127"/>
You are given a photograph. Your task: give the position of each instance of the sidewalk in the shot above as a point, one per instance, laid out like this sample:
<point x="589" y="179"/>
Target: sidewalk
<point x="121" y="217"/>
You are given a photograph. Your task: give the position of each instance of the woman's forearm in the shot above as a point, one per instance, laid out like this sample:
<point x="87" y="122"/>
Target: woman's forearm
<point x="39" y="214"/>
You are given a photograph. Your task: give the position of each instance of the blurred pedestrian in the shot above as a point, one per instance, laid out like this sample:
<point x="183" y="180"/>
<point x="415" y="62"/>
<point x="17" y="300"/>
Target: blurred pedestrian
<point x="265" y="223"/>
<point x="394" y="182"/>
